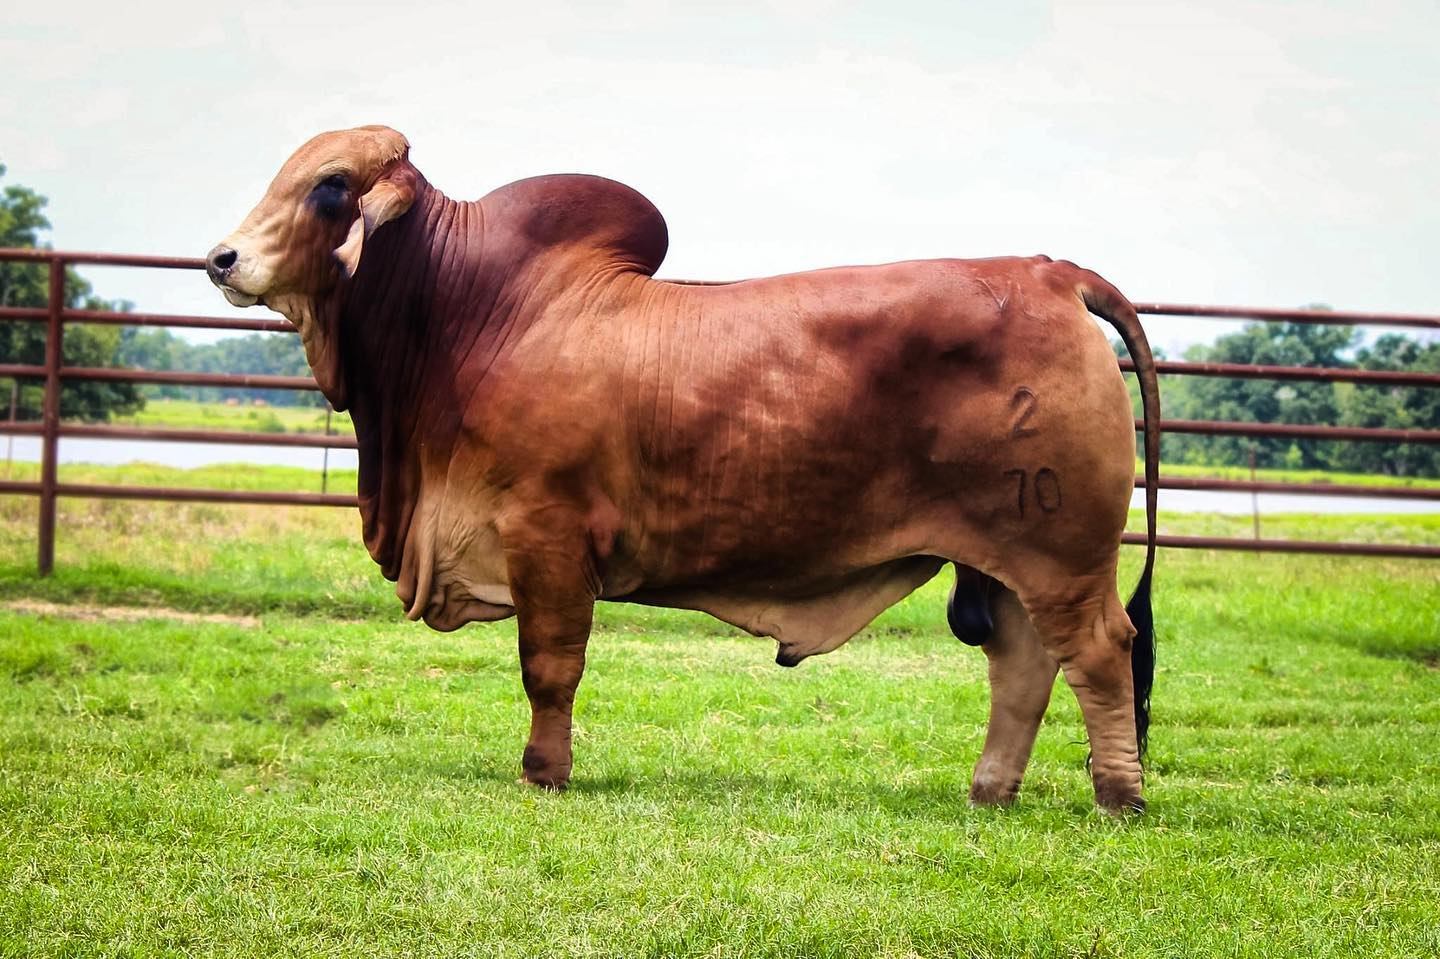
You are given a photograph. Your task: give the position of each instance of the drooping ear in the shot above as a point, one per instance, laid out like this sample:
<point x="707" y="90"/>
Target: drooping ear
<point x="388" y="199"/>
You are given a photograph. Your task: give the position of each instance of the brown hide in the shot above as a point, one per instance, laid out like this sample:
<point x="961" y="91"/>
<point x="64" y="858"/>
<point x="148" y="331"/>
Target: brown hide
<point x="542" y="423"/>
<point x="792" y="454"/>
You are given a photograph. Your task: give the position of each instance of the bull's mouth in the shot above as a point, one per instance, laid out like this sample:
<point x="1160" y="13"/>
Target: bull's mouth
<point x="237" y="298"/>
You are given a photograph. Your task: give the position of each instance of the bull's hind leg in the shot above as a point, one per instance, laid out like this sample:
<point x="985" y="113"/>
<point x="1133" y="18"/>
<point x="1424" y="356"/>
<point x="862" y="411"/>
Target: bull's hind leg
<point x="1088" y="633"/>
<point x="1022" y="674"/>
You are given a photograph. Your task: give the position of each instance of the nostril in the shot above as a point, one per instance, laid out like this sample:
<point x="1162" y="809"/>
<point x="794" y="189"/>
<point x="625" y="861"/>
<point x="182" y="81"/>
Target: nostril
<point x="222" y="259"/>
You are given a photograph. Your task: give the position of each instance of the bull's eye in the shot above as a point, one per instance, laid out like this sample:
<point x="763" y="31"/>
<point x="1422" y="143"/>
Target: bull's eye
<point x="328" y="197"/>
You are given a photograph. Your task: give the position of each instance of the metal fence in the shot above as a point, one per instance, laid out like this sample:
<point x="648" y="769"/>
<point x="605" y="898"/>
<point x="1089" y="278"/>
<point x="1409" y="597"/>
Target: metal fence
<point x="50" y="429"/>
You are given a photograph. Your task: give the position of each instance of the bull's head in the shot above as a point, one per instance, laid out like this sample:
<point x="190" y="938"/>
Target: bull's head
<point x="311" y="226"/>
<point x="332" y="194"/>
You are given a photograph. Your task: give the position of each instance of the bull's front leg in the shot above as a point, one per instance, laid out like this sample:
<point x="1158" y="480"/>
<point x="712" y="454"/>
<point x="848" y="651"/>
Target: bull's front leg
<point x="553" y="586"/>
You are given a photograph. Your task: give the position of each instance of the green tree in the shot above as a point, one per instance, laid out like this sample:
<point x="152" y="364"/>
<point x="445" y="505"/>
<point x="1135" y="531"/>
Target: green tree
<point x="27" y="285"/>
<point x="274" y="354"/>
<point x="1208" y="398"/>
<point x="156" y="348"/>
<point x="1261" y="401"/>
<point x="1404" y="407"/>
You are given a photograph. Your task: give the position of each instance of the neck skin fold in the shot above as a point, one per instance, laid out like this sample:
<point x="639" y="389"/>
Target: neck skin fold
<point x="385" y="345"/>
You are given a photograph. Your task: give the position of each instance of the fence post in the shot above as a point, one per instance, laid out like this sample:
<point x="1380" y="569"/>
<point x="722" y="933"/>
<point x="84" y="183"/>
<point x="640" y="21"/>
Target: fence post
<point x="10" y="438"/>
<point x="325" y="462"/>
<point x="1254" y="496"/>
<point x="50" y="425"/>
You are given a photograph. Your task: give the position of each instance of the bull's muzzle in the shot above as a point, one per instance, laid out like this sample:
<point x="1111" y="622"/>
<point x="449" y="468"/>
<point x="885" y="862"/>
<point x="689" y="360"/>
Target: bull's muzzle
<point x="218" y="266"/>
<point x="219" y="263"/>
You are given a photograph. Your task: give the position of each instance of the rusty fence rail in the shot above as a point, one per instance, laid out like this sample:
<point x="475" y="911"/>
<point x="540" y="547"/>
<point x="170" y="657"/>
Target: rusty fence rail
<point x="53" y="372"/>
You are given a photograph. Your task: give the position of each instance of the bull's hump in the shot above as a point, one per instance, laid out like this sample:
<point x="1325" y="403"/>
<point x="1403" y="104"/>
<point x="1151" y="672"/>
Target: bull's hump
<point x="578" y="215"/>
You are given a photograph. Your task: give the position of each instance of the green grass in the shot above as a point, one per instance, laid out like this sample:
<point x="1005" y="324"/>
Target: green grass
<point x="189" y="414"/>
<point x="331" y="780"/>
<point x="227" y="476"/>
<point x="1290" y="476"/>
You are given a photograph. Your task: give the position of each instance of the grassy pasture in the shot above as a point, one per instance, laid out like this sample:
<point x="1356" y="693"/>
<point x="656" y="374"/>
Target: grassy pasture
<point x="244" y="417"/>
<point x="310" y="775"/>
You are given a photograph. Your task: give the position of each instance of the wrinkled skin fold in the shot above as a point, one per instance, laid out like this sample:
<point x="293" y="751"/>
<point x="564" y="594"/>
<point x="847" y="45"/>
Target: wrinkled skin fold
<point x="542" y="424"/>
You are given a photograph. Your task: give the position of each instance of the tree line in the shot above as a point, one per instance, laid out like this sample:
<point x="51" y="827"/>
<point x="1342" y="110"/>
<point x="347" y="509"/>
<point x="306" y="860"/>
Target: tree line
<point x="273" y="354"/>
<point x="1304" y="403"/>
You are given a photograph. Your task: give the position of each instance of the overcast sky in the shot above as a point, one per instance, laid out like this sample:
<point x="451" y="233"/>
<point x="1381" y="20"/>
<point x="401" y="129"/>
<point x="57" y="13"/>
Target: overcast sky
<point x="1262" y="154"/>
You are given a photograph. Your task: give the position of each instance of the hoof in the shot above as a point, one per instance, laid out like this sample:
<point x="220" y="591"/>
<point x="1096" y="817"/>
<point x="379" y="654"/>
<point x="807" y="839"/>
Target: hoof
<point x="548" y="785"/>
<point x="1116" y="805"/>
<point x="542" y="774"/>
<point x="1118" y="793"/>
<point x="984" y="793"/>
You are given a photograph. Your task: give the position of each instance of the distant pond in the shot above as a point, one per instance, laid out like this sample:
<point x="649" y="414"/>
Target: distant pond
<point x="184" y="455"/>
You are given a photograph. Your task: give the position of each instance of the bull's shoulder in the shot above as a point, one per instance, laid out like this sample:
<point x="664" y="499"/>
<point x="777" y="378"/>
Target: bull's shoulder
<point x="575" y="215"/>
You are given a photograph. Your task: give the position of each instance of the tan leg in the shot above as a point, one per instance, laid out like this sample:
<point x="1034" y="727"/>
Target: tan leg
<point x="554" y="594"/>
<point x="1091" y="640"/>
<point x="550" y="667"/>
<point x="1021" y="677"/>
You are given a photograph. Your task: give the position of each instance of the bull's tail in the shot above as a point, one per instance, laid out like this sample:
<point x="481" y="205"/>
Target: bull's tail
<point x="1108" y="303"/>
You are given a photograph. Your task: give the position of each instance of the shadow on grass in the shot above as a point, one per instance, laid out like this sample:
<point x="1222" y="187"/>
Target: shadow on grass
<point x="946" y="795"/>
<point x="1426" y="654"/>
<point x="943" y="796"/>
<point x="1297" y="811"/>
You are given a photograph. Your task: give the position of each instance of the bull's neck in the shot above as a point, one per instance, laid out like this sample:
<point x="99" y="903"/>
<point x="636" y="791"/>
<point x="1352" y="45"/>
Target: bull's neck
<point x="400" y="330"/>
<point x="394" y="327"/>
